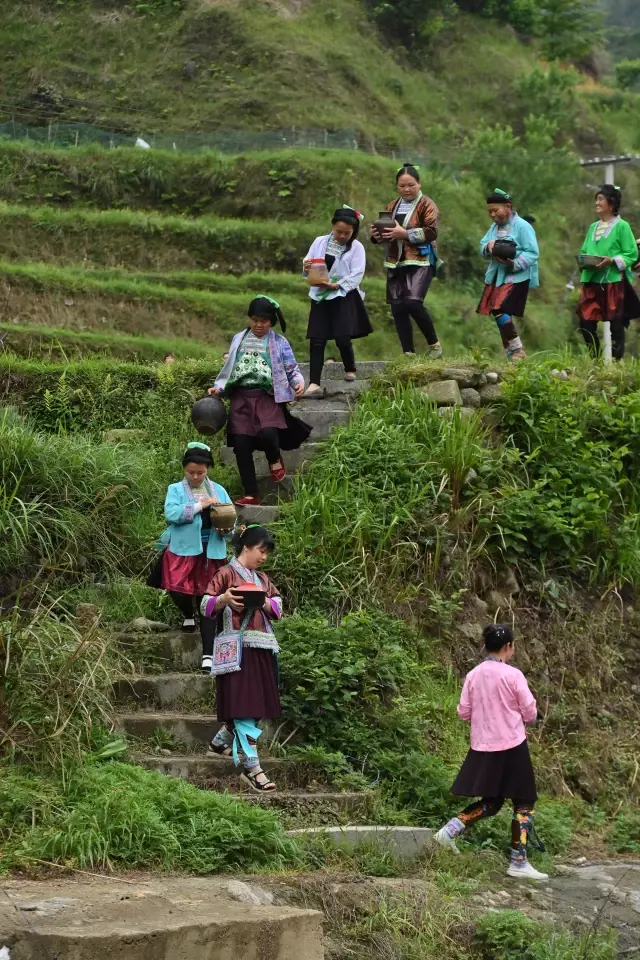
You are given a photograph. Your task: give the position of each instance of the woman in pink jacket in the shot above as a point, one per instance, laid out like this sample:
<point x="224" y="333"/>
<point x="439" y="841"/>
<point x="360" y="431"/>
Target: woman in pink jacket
<point x="497" y="700"/>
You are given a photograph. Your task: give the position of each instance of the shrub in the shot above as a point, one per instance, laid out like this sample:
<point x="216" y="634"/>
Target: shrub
<point x="510" y="935"/>
<point x="628" y="73"/>
<point x="116" y="815"/>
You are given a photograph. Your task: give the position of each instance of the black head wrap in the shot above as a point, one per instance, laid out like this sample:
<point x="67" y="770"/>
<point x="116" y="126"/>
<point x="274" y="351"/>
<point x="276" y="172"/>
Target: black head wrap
<point x="411" y="168"/>
<point x="499" y="196"/>
<point x="264" y="306"/>
<point x="350" y="216"/>
<point x="612" y="194"/>
<point x="197" y="452"/>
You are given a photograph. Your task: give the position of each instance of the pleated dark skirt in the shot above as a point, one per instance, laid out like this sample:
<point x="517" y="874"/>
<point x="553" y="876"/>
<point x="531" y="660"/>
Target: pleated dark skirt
<point x="252" y="410"/>
<point x="251" y="692"/>
<point x="408" y="283"/>
<point x="509" y="298"/>
<point x="507" y="774"/>
<point x="339" y="317"/>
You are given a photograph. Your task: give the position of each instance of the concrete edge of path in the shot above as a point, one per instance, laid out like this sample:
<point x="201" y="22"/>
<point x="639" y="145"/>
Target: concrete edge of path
<point x="404" y="842"/>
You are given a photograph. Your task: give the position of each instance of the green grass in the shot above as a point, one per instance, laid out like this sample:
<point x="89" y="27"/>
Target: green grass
<point x="54" y="345"/>
<point x="249" y="60"/>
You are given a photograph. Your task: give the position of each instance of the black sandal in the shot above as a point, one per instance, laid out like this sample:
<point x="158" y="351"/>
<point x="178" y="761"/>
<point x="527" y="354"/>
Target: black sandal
<point x="219" y="750"/>
<point x="250" y="778"/>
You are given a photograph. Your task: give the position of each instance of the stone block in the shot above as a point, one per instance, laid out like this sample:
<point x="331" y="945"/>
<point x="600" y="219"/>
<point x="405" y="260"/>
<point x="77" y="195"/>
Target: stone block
<point x="498" y="603"/>
<point x="445" y="393"/>
<point x="406" y="843"/>
<point x="491" y="393"/>
<point x="465" y="376"/>
<point x="492" y="377"/>
<point x="470" y="397"/>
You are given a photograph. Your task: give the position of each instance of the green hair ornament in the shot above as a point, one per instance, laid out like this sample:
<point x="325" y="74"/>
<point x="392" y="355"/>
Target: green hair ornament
<point x="357" y="214"/>
<point x="264" y="296"/>
<point x="197" y="445"/>
<point x="502" y="193"/>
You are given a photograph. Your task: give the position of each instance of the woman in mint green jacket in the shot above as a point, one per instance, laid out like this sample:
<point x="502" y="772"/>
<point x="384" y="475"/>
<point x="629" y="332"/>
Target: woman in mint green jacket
<point x="607" y="294"/>
<point x="193" y="549"/>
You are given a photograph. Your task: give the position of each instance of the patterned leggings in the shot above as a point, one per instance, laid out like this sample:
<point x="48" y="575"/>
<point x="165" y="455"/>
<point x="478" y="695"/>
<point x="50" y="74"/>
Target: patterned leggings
<point x="521" y="823"/>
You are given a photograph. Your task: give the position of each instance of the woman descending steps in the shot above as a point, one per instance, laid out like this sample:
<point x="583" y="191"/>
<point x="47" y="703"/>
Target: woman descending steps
<point x="511" y="247"/>
<point x="192" y="550"/>
<point x="261" y="375"/>
<point x="497" y="701"/>
<point x="334" y="268"/>
<point x="243" y="602"/>
<point x="410" y="258"/>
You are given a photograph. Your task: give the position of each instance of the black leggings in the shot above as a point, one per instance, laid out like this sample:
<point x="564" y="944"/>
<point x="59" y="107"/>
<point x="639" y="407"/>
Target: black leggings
<point x="267" y="440"/>
<point x="589" y="330"/>
<point x="316" y="356"/>
<point x="403" y="312"/>
<point x="185" y="602"/>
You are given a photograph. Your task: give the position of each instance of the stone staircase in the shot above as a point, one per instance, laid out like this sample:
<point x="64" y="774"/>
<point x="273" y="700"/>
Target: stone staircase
<point x="323" y="414"/>
<point x="166" y="706"/>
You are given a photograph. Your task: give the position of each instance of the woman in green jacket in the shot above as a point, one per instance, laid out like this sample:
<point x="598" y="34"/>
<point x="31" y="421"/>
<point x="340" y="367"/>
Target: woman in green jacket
<point x="607" y="294"/>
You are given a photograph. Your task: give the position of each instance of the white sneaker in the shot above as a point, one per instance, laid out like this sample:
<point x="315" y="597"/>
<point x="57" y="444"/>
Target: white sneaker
<point x="207" y="663"/>
<point x="444" y="839"/>
<point x="525" y="871"/>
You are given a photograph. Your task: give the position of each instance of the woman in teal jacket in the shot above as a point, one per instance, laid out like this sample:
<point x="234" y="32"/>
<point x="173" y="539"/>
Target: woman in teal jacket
<point x="194" y="550"/>
<point x="507" y="282"/>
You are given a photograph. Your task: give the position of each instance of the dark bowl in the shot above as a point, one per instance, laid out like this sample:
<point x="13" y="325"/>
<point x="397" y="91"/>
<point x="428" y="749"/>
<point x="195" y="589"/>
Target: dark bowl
<point x="505" y="249"/>
<point x="209" y="415"/>
<point x="253" y="597"/>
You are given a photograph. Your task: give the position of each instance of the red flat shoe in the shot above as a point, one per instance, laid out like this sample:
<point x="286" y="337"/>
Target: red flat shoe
<point x="248" y="502"/>
<point x="278" y="470"/>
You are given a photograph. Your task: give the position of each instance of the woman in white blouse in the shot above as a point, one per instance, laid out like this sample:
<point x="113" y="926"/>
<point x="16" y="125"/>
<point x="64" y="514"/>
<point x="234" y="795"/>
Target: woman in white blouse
<point x="337" y="303"/>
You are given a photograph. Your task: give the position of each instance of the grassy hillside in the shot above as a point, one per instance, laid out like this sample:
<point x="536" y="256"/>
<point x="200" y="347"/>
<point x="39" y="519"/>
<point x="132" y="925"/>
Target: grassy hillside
<point x="248" y="60"/>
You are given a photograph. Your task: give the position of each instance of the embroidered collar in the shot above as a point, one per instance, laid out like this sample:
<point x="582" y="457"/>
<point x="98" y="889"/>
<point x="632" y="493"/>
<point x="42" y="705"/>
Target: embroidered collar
<point x="410" y="212"/>
<point x="249" y="576"/>
<point x="603" y="228"/>
<point x="189" y="490"/>
<point x="492" y="659"/>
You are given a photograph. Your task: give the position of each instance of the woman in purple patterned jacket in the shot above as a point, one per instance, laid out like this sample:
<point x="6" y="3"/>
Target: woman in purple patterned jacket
<point x="261" y="375"/>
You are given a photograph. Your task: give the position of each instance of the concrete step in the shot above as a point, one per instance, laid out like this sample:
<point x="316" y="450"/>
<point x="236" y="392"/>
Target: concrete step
<point x="165" y="690"/>
<point x="324" y="420"/>
<point x="335" y="388"/>
<point x="293" y="459"/>
<point x="220" y="773"/>
<point x="171" y="651"/>
<point x="263" y="514"/>
<point x="181" y="918"/>
<point x="188" y="730"/>
<point x="335" y="371"/>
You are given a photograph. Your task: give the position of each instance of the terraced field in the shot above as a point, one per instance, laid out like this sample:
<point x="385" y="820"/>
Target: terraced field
<point x="116" y="254"/>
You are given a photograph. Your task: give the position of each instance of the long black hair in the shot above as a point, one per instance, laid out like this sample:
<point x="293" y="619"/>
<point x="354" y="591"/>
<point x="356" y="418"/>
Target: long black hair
<point x="410" y="168"/>
<point x="264" y="306"/>
<point x="197" y="452"/>
<point x="350" y="217"/>
<point x="253" y="535"/>
<point x="612" y="194"/>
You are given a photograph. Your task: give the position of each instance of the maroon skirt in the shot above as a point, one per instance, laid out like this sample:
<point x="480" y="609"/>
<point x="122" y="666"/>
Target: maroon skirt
<point x="251" y="692"/>
<point x="190" y="575"/>
<point x="253" y="410"/>
<point x="509" y="298"/>
<point x="608" y="302"/>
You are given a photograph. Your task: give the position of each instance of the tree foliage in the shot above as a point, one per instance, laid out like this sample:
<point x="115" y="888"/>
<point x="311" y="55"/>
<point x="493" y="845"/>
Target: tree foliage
<point x="567" y="29"/>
